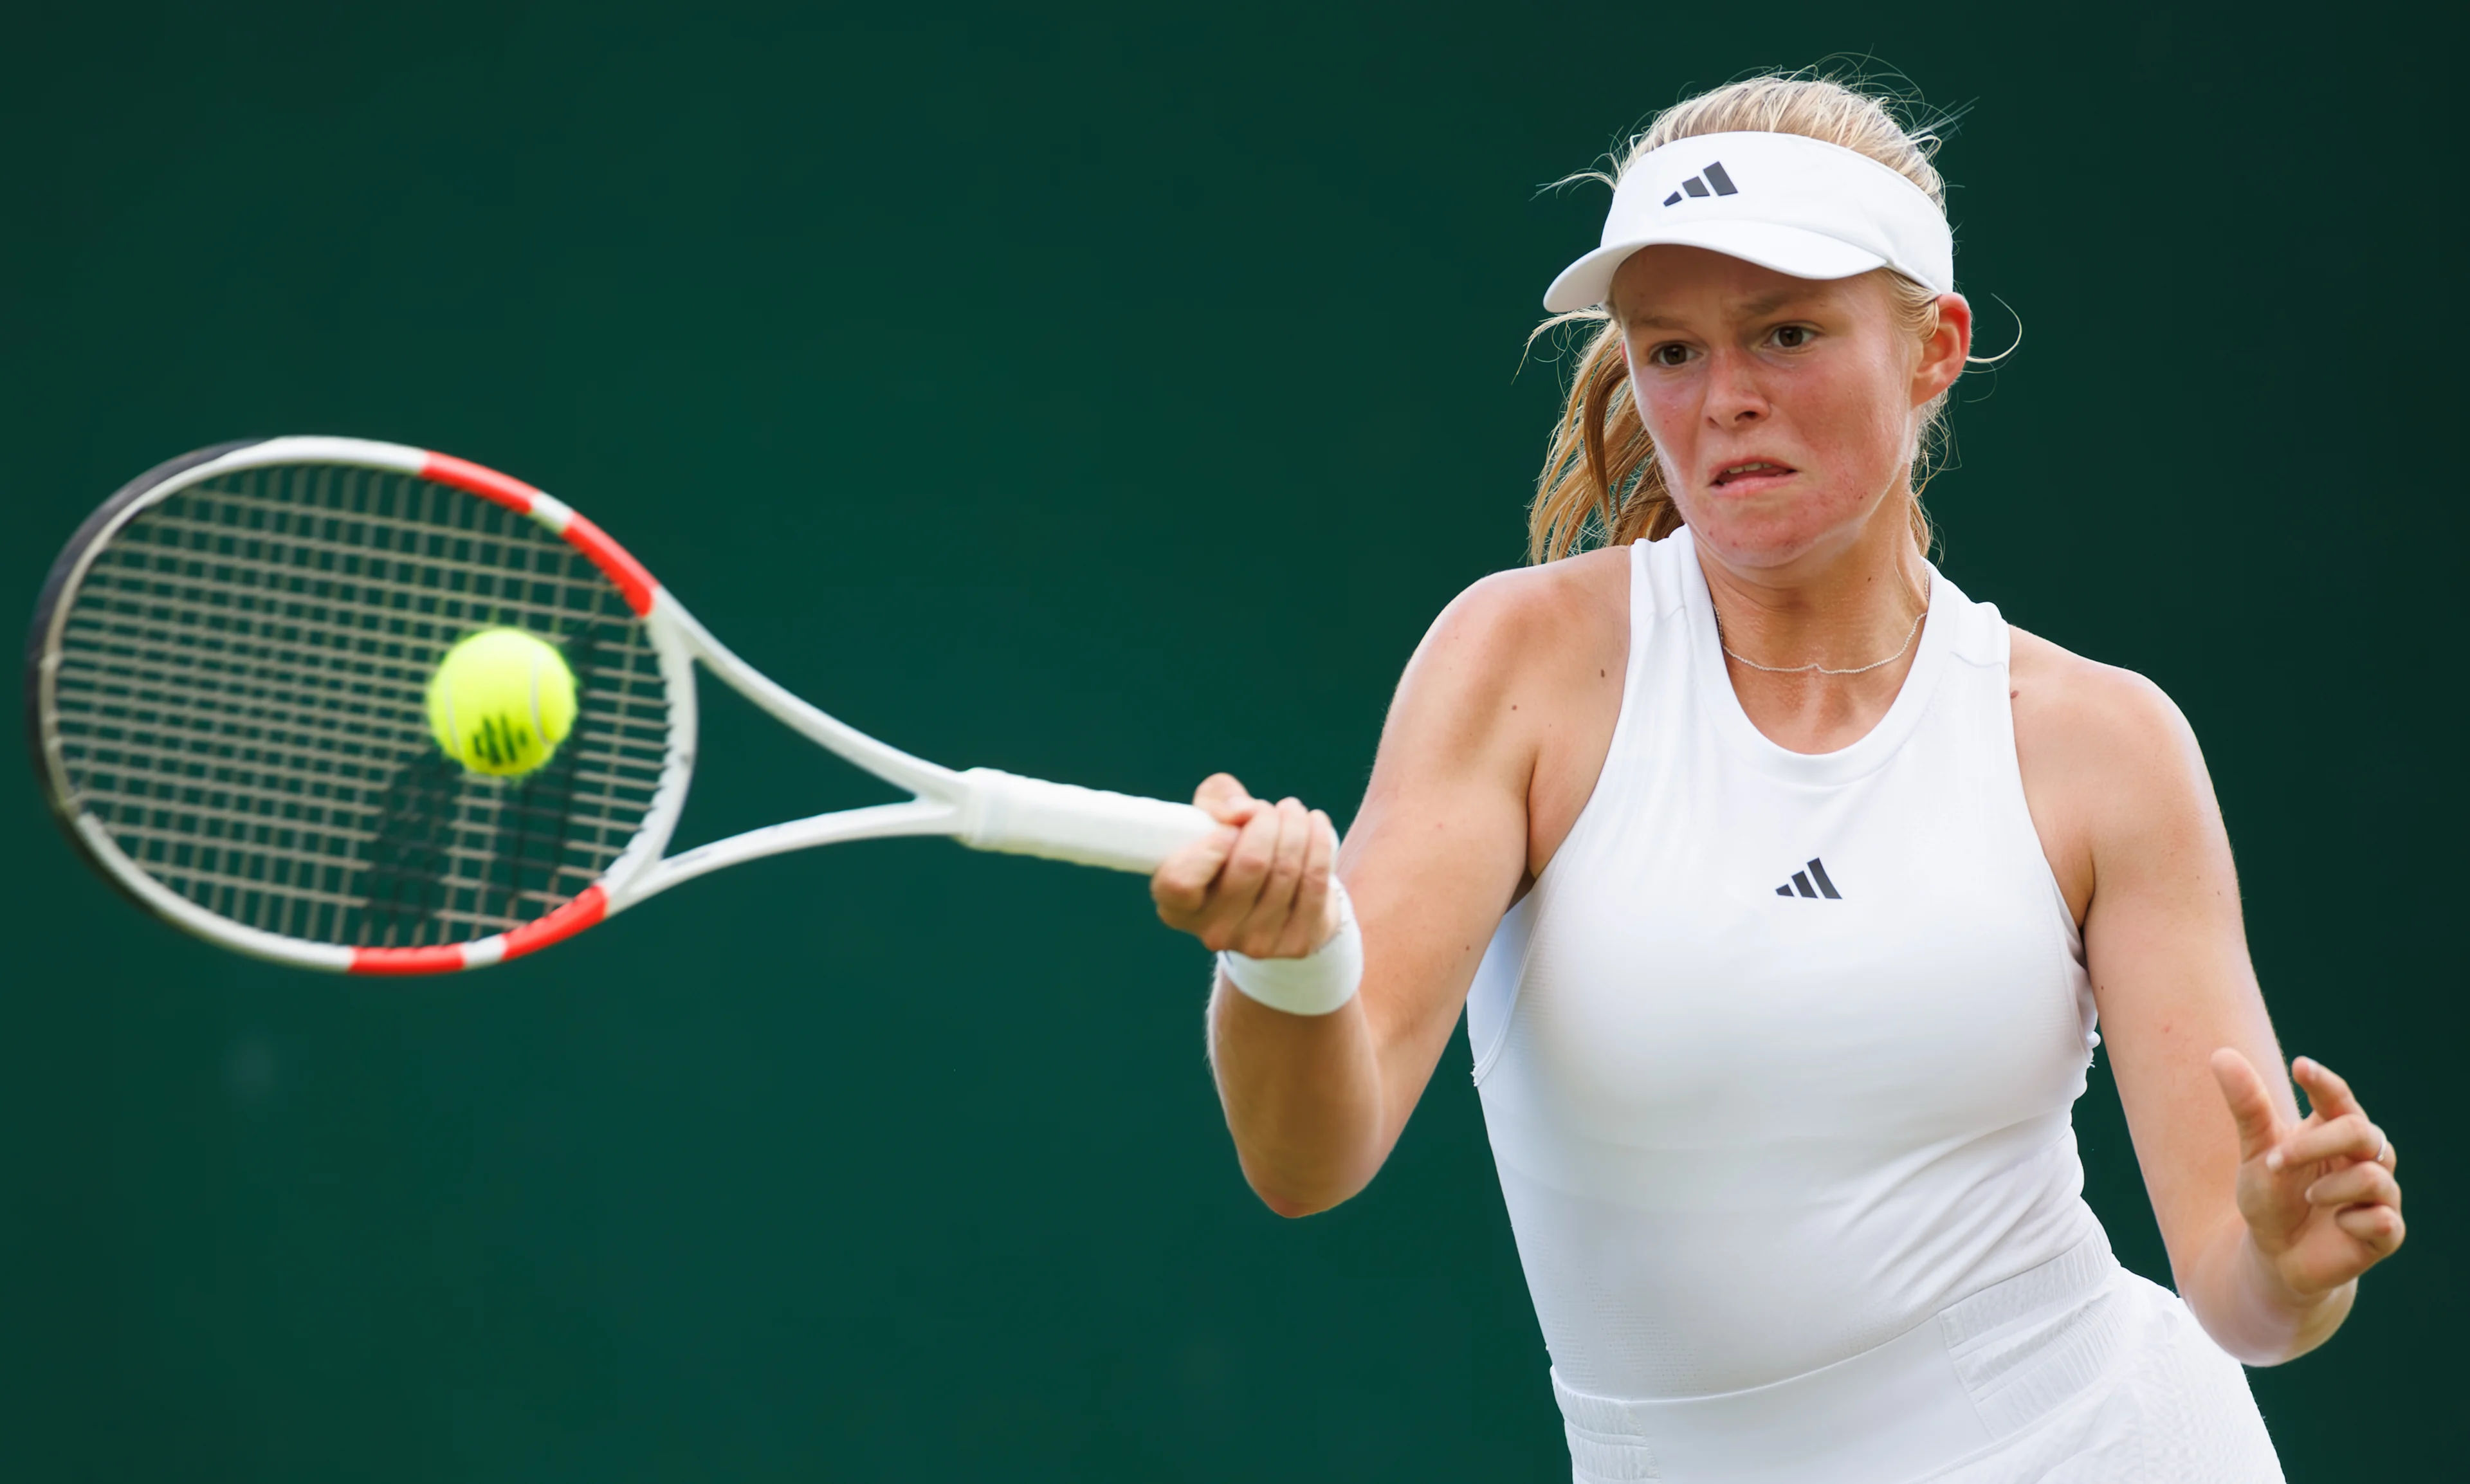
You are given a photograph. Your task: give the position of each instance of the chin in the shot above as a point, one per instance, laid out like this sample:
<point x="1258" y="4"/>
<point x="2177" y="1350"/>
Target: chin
<point x="1755" y="539"/>
<point x="1773" y="532"/>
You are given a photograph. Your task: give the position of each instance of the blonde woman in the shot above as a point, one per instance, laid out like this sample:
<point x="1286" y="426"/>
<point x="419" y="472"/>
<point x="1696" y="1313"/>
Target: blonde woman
<point x="1784" y="886"/>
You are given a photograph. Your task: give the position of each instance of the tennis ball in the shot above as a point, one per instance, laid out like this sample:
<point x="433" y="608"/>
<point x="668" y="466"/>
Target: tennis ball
<point x="501" y="702"/>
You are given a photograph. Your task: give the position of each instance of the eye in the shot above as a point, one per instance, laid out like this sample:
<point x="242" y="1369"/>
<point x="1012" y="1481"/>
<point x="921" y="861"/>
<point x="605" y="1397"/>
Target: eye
<point x="1669" y="353"/>
<point x="1792" y="337"/>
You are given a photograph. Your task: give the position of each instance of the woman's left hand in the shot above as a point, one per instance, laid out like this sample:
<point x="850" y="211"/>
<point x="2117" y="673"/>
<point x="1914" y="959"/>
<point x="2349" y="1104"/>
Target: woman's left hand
<point x="2321" y="1200"/>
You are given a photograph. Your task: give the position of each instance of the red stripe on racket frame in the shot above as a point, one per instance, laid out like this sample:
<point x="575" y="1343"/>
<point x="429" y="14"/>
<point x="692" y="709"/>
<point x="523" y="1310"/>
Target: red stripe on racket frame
<point x="632" y="580"/>
<point x="442" y="959"/>
<point x="590" y="905"/>
<point x="464" y="474"/>
<point x="619" y="564"/>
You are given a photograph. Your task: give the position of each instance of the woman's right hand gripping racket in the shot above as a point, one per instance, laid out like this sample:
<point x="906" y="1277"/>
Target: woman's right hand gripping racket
<point x="228" y="695"/>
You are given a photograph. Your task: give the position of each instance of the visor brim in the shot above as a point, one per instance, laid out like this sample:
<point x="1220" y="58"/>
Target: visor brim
<point x="1796" y="251"/>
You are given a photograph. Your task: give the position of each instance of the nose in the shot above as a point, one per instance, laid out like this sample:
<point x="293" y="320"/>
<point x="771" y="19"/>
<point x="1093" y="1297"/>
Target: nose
<point x="1734" y="396"/>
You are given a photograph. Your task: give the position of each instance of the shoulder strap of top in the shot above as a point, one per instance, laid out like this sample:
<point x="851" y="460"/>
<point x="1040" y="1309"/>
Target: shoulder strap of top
<point x="1657" y="590"/>
<point x="1976" y="632"/>
<point x="1658" y="580"/>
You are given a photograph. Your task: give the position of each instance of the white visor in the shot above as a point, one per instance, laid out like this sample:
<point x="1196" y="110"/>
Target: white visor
<point x="1783" y="201"/>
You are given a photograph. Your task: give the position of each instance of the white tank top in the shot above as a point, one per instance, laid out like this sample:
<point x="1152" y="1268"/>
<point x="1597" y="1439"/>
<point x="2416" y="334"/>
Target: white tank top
<point x="1776" y="1056"/>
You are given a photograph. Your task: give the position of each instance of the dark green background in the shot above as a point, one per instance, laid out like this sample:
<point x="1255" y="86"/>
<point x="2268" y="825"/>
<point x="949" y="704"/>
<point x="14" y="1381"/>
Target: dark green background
<point x="1109" y="395"/>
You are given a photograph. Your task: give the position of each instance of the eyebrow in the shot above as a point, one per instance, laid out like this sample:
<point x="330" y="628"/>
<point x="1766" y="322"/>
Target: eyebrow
<point x="1764" y="304"/>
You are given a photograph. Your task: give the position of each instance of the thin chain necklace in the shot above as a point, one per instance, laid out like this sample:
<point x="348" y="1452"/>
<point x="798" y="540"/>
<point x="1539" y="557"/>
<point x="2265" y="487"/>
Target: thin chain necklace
<point x="1804" y="670"/>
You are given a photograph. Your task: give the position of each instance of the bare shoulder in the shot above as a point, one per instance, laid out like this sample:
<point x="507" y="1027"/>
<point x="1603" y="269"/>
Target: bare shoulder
<point x="1515" y="637"/>
<point x="1512" y="616"/>
<point x="1515" y="690"/>
<point x="1508" y="667"/>
<point x="2097" y="714"/>
<point x="2112" y="772"/>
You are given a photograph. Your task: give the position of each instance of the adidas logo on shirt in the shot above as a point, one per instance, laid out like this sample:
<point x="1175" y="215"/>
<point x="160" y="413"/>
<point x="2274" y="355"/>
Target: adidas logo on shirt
<point x="1697" y="185"/>
<point x="1810" y="882"/>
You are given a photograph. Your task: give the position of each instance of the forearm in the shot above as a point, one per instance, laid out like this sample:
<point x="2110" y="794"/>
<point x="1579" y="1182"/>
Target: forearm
<point x="2249" y="1311"/>
<point x="1303" y="1098"/>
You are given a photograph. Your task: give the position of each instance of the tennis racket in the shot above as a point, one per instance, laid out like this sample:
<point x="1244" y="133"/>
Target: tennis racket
<point x="226" y="699"/>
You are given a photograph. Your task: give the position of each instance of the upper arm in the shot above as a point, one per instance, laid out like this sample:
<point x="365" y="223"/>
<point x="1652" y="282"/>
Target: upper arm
<point x="2126" y="808"/>
<point x="1507" y="679"/>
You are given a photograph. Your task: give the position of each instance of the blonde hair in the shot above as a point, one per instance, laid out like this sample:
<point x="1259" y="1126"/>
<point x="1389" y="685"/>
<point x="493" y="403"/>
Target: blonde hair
<point x="1602" y="480"/>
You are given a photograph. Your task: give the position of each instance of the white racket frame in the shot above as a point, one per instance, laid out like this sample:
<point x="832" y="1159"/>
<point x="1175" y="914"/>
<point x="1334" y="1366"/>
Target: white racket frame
<point x="983" y="808"/>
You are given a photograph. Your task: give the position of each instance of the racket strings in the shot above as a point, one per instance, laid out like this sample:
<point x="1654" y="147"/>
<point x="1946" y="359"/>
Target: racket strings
<point x="240" y="703"/>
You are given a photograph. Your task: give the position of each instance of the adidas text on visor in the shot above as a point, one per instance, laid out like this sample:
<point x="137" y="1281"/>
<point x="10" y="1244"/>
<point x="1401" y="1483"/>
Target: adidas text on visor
<point x="1783" y="201"/>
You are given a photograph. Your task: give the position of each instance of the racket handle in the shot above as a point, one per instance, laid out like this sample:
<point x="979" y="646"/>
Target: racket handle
<point x="1087" y="826"/>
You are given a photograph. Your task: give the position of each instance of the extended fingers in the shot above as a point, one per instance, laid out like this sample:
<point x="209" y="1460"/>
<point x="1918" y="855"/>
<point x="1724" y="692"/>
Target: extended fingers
<point x="2357" y="1184"/>
<point x="2350" y="1136"/>
<point x="2332" y="1098"/>
<point x="2378" y="1228"/>
<point x="2327" y="1094"/>
<point x="2259" y="1124"/>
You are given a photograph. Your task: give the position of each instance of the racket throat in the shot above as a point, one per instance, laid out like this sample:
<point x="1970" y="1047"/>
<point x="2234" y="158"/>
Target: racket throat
<point x="914" y="816"/>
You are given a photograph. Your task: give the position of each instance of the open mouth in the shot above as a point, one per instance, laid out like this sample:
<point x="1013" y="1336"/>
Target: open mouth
<point x="1752" y="474"/>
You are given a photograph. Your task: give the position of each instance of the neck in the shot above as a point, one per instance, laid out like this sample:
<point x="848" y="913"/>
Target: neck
<point x="1856" y="610"/>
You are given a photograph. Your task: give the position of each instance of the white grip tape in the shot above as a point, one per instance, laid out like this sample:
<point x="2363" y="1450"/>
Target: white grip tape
<point x="1314" y="984"/>
<point x="1087" y="826"/>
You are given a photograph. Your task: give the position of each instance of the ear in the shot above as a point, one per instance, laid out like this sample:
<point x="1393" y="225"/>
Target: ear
<point x="1942" y="353"/>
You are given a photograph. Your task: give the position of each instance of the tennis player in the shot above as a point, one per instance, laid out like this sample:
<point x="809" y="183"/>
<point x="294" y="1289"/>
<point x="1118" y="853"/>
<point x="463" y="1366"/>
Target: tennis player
<point x="1817" y="876"/>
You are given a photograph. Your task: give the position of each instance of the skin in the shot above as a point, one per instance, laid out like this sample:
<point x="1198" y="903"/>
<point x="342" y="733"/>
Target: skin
<point x="1504" y="716"/>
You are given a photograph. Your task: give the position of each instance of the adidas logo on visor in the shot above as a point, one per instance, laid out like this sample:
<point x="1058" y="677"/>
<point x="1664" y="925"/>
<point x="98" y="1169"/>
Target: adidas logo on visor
<point x="1810" y="882"/>
<point x="1697" y="185"/>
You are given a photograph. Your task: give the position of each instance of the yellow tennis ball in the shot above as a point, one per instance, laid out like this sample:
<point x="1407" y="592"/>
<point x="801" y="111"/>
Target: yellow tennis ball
<point x="501" y="702"/>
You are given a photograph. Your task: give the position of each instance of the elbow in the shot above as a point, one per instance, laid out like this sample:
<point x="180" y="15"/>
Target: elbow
<point x="1293" y="1209"/>
<point x="1296" y="1199"/>
<point x="1297" y="1206"/>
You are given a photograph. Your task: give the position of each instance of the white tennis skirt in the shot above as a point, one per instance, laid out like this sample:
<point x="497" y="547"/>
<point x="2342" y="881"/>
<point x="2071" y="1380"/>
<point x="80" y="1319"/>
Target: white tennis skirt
<point x="2076" y="1372"/>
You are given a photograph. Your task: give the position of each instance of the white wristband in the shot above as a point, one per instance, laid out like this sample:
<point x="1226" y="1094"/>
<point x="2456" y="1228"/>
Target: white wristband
<point x="1313" y="984"/>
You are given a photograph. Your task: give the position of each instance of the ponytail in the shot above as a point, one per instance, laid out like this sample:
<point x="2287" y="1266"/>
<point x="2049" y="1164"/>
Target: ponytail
<point x="1602" y="483"/>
